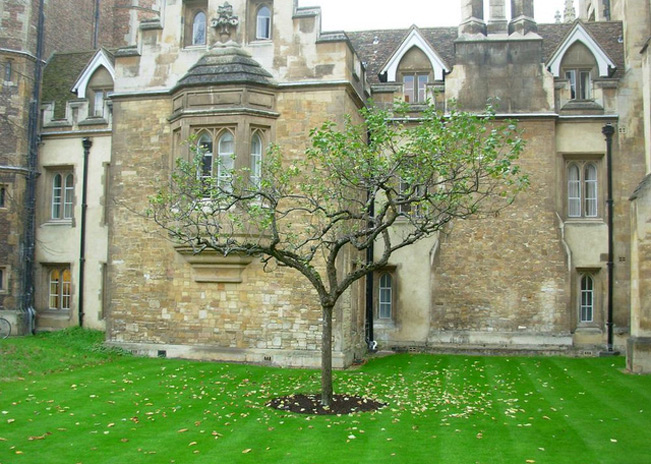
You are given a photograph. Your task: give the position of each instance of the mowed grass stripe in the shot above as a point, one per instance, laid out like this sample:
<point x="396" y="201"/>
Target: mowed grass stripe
<point x="442" y="409"/>
<point x="551" y="423"/>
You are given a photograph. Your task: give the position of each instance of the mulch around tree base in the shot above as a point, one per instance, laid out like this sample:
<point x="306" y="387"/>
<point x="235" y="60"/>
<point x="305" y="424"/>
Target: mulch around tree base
<point x="311" y="404"/>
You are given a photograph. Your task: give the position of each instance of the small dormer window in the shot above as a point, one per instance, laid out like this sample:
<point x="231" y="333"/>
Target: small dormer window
<point x="98" y="103"/>
<point x="99" y="86"/>
<point x="415" y="72"/>
<point x="580" y="83"/>
<point x="415" y="87"/>
<point x="263" y="23"/>
<point x="578" y="67"/>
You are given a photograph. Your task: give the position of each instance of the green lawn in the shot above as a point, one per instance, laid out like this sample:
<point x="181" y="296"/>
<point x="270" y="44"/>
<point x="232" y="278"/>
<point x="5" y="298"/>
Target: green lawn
<point x="65" y="400"/>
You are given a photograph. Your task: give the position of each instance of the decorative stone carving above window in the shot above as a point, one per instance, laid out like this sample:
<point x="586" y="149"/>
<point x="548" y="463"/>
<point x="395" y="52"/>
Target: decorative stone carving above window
<point x="212" y="267"/>
<point x="226" y="22"/>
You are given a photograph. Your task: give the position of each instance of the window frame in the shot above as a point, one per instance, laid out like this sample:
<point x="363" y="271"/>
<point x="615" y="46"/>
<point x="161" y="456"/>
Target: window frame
<point x="4" y="279"/>
<point x="7" y="71"/>
<point x="582" y="193"/>
<point x="62" y="197"/>
<point x="226" y="160"/>
<point x="385" y="290"/>
<point x="255" y="159"/>
<point x="97" y="106"/>
<point x="59" y="296"/>
<point x="268" y="22"/>
<point x="385" y="322"/>
<point x="587" y="295"/>
<point x="221" y="162"/>
<point x="191" y="9"/>
<point x="4" y="196"/>
<point x="419" y="92"/>
<point x="194" y="28"/>
<point x="580" y="90"/>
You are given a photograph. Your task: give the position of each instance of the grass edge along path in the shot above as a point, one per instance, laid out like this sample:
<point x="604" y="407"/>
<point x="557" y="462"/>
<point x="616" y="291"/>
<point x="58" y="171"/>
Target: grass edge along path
<point x="108" y="408"/>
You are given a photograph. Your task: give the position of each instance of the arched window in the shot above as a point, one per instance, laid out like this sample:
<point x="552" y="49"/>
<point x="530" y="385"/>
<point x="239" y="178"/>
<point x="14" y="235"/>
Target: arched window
<point x="256" y="160"/>
<point x="586" y="313"/>
<point x="385" y="309"/>
<point x="63" y="191"/>
<point x="582" y="190"/>
<point x="263" y="23"/>
<point x="60" y="288"/>
<point x="204" y="147"/>
<point x="57" y="195"/>
<point x="199" y="28"/>
<point x="68" y="196"/>
<point x="590" y="179"/>
<point x="573" y="191"/>
<point x="226" y="163"/>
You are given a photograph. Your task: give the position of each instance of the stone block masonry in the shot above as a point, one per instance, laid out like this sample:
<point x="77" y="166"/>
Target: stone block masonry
<point x="156" y="305"/>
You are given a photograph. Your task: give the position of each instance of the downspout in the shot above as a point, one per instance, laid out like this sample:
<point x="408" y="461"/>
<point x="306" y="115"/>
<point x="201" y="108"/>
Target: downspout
<point x="370" y="340"/>
<point x="86" y="143"/>
<point x="96" y="28"/>
<point x="608" y="130"/>
<point x="29" y="235"/>
<point x="607" y="10"/>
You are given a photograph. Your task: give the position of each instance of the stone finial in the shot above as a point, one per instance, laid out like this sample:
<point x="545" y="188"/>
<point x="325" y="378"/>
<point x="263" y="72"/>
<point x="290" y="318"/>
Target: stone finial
<point x="497" y="23"/>
<point x="472" y="17"/>
<point x="226" y="22"/>
<point x="522" y="21"/>
<point x="557" y="17"/>
<point x="569" y="14"/>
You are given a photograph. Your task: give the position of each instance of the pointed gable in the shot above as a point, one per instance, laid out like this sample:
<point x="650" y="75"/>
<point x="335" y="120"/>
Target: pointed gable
<point x="102" y="58"/>
<point x="414" y="38"/>
<point x="579" y="33"/>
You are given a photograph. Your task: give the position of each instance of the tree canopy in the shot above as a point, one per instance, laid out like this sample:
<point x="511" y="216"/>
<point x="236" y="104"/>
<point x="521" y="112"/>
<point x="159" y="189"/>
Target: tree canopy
<point x="392" y="179"/>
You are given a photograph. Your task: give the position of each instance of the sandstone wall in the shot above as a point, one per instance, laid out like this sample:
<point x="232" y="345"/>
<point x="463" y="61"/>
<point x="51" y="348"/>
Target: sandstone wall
<point x="507" y="274"/>
<point x="156" y="304"/>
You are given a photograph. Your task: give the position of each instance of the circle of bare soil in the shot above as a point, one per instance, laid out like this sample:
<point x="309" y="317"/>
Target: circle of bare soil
<point x="311" y="404"/>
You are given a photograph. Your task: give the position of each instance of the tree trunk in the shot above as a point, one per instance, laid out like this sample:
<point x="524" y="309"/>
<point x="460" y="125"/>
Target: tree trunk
<point x="326" y="357"/>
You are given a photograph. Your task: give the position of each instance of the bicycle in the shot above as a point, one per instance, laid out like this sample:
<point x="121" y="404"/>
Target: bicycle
<point x="5" y="328"/>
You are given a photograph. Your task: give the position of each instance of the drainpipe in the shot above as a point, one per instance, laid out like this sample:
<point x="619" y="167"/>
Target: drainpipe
<point x="96" y="28"/>
<point x="608" y="130"/>
<point x="370" y="341"/>
<point x="29" y="234"/>
<point x="607" y="10"/>
<point x="86" y="143"/>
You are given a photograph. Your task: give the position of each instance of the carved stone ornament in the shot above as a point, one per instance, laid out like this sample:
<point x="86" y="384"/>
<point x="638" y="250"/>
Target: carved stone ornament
<point x="226" y="21"/>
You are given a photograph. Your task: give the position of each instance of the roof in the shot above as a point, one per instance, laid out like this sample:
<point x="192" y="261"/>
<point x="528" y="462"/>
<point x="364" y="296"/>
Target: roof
<point x="376" y="47"/>
<point x="226" y="65"/>
<point x="59" y="76"/>
<point x="608" y="35"/>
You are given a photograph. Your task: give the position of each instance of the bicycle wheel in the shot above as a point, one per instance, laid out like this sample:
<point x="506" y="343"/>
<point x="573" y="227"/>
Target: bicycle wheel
<point x="5" y="328"/>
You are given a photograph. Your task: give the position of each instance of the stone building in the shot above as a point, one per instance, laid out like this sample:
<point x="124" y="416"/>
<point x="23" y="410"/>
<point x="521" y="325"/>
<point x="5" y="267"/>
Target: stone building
<point x="59" y="33"/>
<point x="239" y="76"/>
